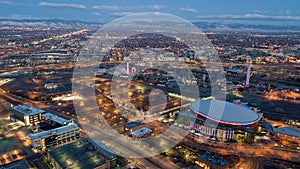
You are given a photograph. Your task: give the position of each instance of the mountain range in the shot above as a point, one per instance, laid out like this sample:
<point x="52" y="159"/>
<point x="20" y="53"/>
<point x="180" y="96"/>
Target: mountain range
<point x="205" y="26"/>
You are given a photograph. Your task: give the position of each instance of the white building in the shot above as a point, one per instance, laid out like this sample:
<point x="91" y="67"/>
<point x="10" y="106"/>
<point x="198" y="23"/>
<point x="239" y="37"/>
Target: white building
<point x="28" y="114"/>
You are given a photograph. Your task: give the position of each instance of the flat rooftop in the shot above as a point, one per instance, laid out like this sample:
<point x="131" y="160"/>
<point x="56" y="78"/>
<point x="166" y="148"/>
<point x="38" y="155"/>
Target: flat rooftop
<point x="56" y="118"/>
<point x="44" y="126"/>
<point x="287" y="131"/>
<point x="141" y="131"/>
<point x="22" y="164"/>
<point x="47" y="133"/>
<point x="187" y="114"/>
<point x="78" y="155"/>
<point x="213" y="159"/>
<point x="133" y="124"/>
<point x="105" y="149"/>
<point x="28" y="110"/>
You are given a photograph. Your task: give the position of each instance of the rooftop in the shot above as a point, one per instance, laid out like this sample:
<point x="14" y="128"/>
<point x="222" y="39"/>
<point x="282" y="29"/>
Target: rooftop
<point x="28" y="110"/>
<point x="22" y="164"/>
<point x="133" y="124"/>
<point x="77" y="155"/>
<point x="288" y="131"/>
<point x="141" y="132"/>
<point x="53" y="52"/>
<point x="44" y="126"/>
<point x="102" y="147"/>
<point x="187" y="114"/>
<point x="213" y="159"/>
<point x="226" y="112"/>
<point x="57" y="119"/>
<point x="47" y="133"/>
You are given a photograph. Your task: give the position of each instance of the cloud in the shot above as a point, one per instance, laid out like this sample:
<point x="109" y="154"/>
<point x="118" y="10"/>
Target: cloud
<point x="6" y="3"/>
<point x="286" y="12"/>
<point x="120" y="14"/>
<point x="189" y="9"/>
<point x="56" y="5"/>
<point x="115" y="7"/>
<point x="257" y="11"/>
<point x="155" y="7"/>
<point x="97" y="14"/>
<point x="250" y="16"/>
<point x="107" y="7"/>
<point x="9" y="3"/>
<point x="16" y="16"/>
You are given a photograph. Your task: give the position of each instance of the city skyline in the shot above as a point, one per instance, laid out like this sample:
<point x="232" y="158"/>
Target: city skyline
<point x="106" y="11"/>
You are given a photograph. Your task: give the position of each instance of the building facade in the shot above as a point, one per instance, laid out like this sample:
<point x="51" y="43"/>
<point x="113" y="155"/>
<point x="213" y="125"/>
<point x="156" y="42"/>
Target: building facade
<point x="54" y="137"/>
<point x="28" y="114"/>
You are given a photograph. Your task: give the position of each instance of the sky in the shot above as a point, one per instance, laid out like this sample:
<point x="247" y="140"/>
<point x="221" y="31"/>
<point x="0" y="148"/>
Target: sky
<point x="104" y="11"/>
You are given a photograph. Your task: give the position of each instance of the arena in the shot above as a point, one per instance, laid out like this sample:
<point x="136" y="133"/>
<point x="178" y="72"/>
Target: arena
<point x="221" y="120"/>
<point x="225" y="113"/>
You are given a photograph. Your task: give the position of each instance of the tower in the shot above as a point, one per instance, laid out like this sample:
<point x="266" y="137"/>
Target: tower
<point x="127" y="70"/>
<point x="249" y="64"/>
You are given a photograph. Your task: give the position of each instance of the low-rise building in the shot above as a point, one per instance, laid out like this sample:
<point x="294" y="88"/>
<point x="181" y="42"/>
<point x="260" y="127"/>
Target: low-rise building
<point x="78" y="155"/>
<point x="51" y="56"/>
<point x="142" y="132"/>
<point x="132" y="126"/>
<point x="28" y="114"/>
<point x="50" y="85"/>
<point x="54" y="137"/>
<point x="56" y="120"/>
<point x="210" y="161"/>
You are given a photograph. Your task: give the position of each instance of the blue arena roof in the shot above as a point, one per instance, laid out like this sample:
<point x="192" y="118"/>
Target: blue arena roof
<point x="225" y="112"/>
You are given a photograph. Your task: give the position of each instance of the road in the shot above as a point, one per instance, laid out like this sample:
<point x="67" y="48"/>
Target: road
<point x="249" y="151"/>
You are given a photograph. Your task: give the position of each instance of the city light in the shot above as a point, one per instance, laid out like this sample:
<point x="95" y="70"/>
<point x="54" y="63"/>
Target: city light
<point x="165" y="84"/>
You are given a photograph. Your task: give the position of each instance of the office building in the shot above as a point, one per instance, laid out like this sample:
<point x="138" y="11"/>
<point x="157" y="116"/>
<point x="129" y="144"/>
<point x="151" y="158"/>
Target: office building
<point x="28" y="114"/>
<point x="54" y="137"/>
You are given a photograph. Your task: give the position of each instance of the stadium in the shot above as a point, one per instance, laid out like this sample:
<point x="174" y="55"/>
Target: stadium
<point x="52" y="56"/>
<point x="221" y="120"/>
